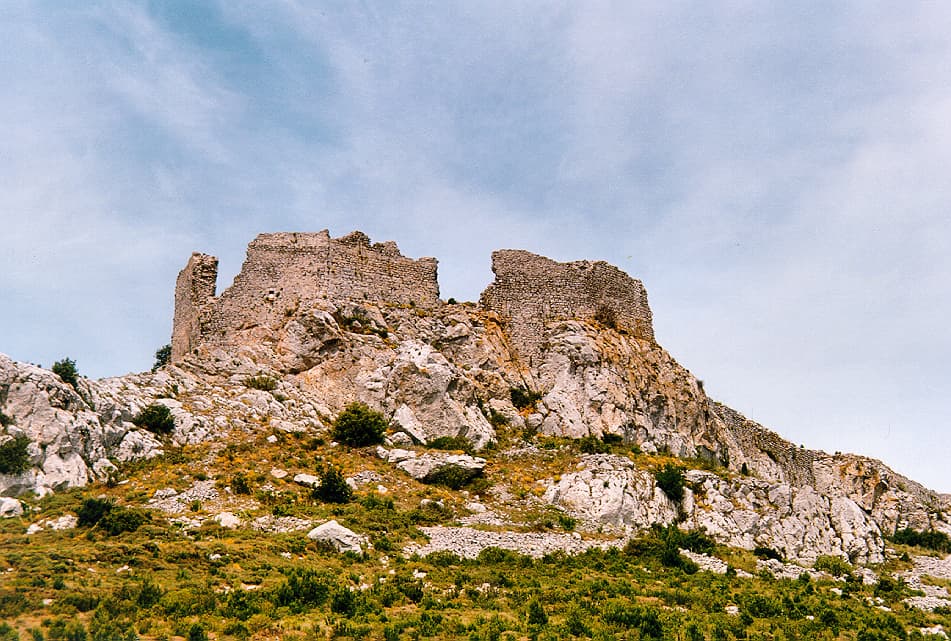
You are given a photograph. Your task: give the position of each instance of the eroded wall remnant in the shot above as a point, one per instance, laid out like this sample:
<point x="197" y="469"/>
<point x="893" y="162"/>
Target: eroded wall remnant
<point x="530" y="291"/>
<point x="282" y="271"/>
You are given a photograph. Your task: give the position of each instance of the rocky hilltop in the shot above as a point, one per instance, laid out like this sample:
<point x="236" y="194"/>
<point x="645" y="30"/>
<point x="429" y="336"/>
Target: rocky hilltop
<point x="551" y="351"/>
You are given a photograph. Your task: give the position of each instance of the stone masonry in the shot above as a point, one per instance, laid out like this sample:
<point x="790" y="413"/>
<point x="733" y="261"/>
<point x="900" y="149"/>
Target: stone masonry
<point x="531" y="290"/>
<point x="282" y="271"/>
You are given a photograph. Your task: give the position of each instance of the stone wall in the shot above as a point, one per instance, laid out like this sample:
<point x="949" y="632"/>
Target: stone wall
<point x="282" y="271"/>
<point x="194" y="289"/>
<point x="766" y="453"/>
<point x="531" y="290"/>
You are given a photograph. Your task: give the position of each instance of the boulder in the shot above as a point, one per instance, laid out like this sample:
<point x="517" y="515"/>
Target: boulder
<point x="10" y="507"/>
<point x="333" y="535"/>
<point x="307" y="480"/>
<point x="427" y="466"/>
<point x="227" y="520"/>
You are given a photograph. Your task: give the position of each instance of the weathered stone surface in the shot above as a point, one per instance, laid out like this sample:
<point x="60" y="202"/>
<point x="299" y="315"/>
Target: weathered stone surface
<point x="334" y="535"/>
<point x="468" y="542"/>
<point x="10" y="507"/>
<point x="428" y="466"/>
<point x="608" y="490"/>
<point x="227" y="520"/>
<point x="799" y="522"/>
<point x="307" y="480"/>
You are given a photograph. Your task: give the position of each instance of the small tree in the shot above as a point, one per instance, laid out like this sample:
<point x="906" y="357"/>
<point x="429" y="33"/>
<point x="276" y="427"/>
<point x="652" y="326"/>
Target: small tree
<point x="156" y="418"/>
<point x="670" y="479"/>
<point x="67" y="372"/>
<point x="14" y="457"/>
<point x="333" y="486"/>
<point x="162" y="356"/>
<point x="359" y="426"/>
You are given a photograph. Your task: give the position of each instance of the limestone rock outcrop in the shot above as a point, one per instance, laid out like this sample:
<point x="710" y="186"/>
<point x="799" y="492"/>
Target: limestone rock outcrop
<point x="337" y="537"/>
<point x="328" y="321"/>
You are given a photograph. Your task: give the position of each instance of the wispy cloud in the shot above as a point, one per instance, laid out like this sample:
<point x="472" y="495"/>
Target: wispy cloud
<point x="775" y="174"/>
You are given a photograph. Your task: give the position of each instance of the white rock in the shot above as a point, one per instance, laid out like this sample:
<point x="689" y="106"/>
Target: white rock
<point x="271" y="439"/>
<point x="227" y="520"/>
<point x="334" y="535"/>
<point x="10" y="507"/>
<point x="278" y="473"/>
<point x="423" y="467"/>
<point x="307" y="480"/>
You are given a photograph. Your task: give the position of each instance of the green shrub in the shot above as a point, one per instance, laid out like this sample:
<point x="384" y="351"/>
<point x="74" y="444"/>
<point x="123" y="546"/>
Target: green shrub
<point x="928" y="539"/>
<point x="197" y="633"/>
<point x="162" y="356"/>
<point x="122" y="519"/>
<point x="303" y="590"/>
<point x="497" y="419"/>
<point x="92" y="510"/>
<point x="834" y="565"/>
<point x="5" y="420"/>
<point x="333" y="486"/>
<point x="111" y="518"/>
<point x="670" y="479"/>
<point x="240" y="484"/>
<point x="156" y="418"/>
<point x="67" y="372"/>
<point x="261" y="382"/>
<point x="451" y="476"/>
<point x="358" y="426"/>
<point x="524" y="398"/>
<point x="536" y="613"/>
<point x="450" y="443"/>
<point x="593" y="445"/>
<point x="14" y="455"/>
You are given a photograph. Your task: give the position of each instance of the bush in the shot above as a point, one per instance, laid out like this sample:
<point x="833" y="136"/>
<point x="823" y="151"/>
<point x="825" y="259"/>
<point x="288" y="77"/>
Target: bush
<point x="240" y="484"/>
<point x="162" y="356"/>
<point x="450" y="443"/>
<point x="66" y="370"/>
<point x="359" y="426"/>
<point x="451" y="476"/>
<point x="536" y="613"/>
<point x="524" y="398"/>
<point x="928" y="539"/>
<point x="5" y="420"/>
<point x="593" y="445"/>
<point x="156" y="418"/>
<point x="670" y="479"/>
<point x="261" y="382"/>
<point x="14" y="455"/>
<point x="197" y="633"/>
<point x="833" y="565"/>
<point x="92" y="510"/>
<point x="112" y="518"/>
<point x="333" y="486"/>
<point x="122" y="519"/>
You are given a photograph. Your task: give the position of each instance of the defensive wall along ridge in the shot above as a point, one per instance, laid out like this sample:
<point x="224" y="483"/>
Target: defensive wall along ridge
<point x="283" y="271"/>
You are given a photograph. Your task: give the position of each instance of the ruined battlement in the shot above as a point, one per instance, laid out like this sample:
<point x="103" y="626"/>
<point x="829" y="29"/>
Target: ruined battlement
<point x="284" y="270"/>
<point x="531" y="290"/>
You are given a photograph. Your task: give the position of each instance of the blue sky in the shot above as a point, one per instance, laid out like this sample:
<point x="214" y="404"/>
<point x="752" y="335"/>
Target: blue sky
<point x="777" y="175"/>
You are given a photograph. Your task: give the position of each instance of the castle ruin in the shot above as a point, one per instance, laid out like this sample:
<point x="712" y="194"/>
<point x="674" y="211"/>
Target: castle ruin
<point x="282" y="271"/>
<point x="531" y="291"/>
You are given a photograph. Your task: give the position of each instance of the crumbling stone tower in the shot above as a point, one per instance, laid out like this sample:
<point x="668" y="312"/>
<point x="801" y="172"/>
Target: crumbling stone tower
<point x="283" y="271"/>
<point x="530" y="291"/>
